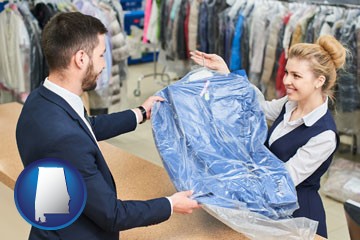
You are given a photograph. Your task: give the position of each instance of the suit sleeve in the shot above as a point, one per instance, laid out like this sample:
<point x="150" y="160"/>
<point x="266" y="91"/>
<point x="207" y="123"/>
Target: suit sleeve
<point x="111" y="125"/>
<point x="102" y="206"/>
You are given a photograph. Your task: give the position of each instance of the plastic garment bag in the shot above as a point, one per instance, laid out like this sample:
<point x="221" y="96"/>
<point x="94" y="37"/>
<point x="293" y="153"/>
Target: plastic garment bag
<point x="210" y="133"/>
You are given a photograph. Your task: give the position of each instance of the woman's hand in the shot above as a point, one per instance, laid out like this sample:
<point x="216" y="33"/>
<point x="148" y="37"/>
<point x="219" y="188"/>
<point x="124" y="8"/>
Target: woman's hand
<point x="212" y="61"/>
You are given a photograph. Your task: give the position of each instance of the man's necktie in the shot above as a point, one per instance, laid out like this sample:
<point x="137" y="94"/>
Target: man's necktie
<point x="87" y="116"/>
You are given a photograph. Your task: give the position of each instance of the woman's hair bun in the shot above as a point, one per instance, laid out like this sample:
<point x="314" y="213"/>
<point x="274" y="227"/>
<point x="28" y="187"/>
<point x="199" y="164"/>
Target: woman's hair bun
<point x="334" y="48"/>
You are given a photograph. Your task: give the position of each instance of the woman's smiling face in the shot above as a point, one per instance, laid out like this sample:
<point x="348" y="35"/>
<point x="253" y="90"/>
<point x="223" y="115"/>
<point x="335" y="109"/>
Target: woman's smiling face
<point x="300" y="81"/>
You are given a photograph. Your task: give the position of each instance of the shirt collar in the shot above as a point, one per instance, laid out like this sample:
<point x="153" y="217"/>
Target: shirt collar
<point x="71" y="98"/>
<point x="311" y="117"/>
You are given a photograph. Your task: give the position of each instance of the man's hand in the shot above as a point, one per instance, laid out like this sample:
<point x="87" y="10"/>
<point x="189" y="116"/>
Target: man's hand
<point x="212" y="61"/>
<point x="149" y="103"/>
<point x="182" y="203"/>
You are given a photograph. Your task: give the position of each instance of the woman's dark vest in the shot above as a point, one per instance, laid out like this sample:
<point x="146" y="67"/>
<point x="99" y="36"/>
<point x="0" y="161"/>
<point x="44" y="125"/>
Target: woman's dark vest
<point x="310" y="204"/>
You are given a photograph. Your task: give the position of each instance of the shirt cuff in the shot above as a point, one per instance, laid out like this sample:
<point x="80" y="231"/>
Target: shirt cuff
<point x="136" y="115"/>
<point x="171" y="205"/>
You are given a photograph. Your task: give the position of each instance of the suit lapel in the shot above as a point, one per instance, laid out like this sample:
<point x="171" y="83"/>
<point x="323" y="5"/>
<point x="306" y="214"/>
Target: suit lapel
<point x="56" y="99"/>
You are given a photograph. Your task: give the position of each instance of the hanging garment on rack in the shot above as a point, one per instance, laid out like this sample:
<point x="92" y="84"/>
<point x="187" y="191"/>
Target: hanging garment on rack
<point x="334" y="15"/>
<point x="153" y="27"/>
<point x="272" y="55"/>
<point x="309" y="33"/>
<point x="297" y="11"/>
<point x="118" y="11"/>
<point x="43" y="12"/>
<point x="2" y="5"/>
<point x="301" y="25"/>
<point x="164" y="18"/>
<point x="147" y="14"/>
<point x="235" y="60"/>
<point x="120" y="53"/>
<point x="15" y="53"/>
<point x="275" y="25"/>
<point x="119" y="49"/>
<point x="181" y="44"/>
<point x="280" y="88"/>
<point x="210" y="132"/>
<point x="107" y="92"/>
<point x="220" y="50"/>
<point x="37" y="62"/>
<point x="348" y="91"/>
<point x="202" y="28"/>
<point x="358" y="54"/>
<point x="100" y="97"/>
<point x="213" y="8"/>
<point x="257" y="39"/>
<point x="174" y="16"/>
<point x="229" y="34"/>
<point x="186" y="30"/>
<point x="245" y="48"/>
<point x="193" y="25"/>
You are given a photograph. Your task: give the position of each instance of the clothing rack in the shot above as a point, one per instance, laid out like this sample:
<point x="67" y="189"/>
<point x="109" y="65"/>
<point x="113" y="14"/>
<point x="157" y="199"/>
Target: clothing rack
<point x="110" y="90"/>
<point x="343" y="3"/>
<point x="149" y="15"/>
<point x="154" y="74"/>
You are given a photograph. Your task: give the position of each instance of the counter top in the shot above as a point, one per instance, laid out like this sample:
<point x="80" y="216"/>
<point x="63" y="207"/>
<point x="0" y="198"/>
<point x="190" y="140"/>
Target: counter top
<point x="135" y="178"/>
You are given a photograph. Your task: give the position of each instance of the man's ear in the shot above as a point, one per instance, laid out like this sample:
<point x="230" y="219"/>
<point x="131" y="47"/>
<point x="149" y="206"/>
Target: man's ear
<point x="81" y="59"/>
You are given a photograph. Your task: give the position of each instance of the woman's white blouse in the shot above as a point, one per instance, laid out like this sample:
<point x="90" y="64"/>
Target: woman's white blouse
<point x="309" y="157"/>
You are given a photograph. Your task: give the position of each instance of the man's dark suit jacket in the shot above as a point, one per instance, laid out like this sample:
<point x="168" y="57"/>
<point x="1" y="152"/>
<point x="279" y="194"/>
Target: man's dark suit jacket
<point x="49" y="128"/>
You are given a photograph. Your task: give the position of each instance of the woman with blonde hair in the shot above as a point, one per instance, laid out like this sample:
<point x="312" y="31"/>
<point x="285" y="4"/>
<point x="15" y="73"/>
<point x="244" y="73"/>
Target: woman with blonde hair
<point x="303" y="134"/>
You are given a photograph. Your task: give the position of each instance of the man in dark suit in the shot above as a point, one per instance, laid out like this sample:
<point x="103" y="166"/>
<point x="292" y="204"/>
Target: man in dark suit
<point x="53" y="124"/>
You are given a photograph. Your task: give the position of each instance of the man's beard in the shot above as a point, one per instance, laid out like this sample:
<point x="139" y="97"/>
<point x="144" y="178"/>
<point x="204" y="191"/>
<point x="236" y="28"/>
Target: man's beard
<point x="89" y="81"/>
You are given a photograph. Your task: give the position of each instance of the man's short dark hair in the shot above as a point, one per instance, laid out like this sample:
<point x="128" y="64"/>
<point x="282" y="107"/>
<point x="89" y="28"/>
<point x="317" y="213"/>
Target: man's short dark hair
<point x="67" y="33"/>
